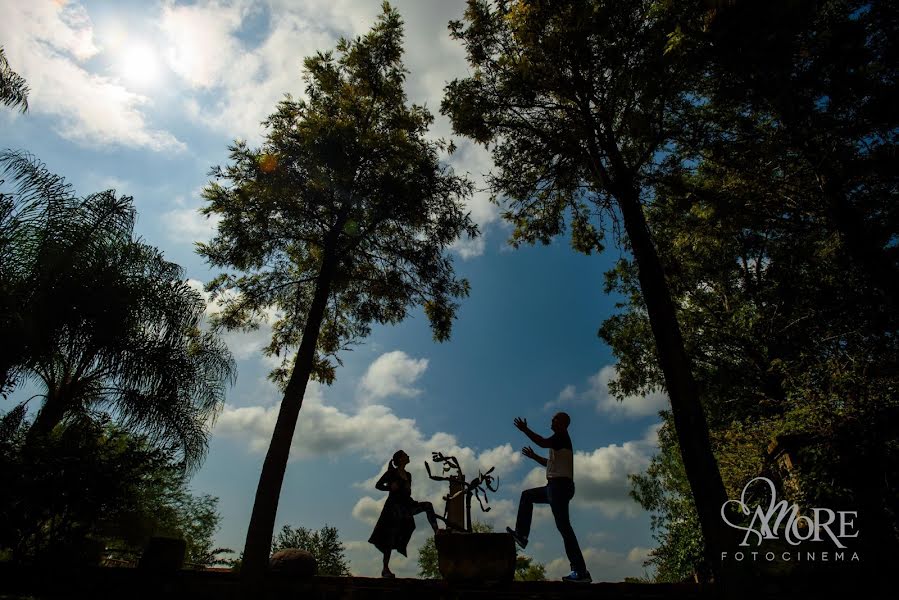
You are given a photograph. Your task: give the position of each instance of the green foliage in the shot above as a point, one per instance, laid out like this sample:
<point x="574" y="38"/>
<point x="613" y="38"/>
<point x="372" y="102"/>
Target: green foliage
<point x="528" y="570"/>
<point x="91" y="483"/>
<point x="346" y="196"/>
<point x="100" y="319"/>
<point x="13" y="88"/>
<point x="776" y="222"/>
<point x="196" y="519"/>
<point x="664" y="492"/>
<point x="324" y="545"/>
<point x="573" y="99"/>
<point x="428" y="561"/>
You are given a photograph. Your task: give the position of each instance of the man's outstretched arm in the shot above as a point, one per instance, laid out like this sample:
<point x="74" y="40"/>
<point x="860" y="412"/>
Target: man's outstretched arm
<point x="522" y="425"/>
<point x="529" y="452"/>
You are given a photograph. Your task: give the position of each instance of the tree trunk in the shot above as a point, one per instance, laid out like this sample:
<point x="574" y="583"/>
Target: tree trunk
<point x="268" y="492"/>
<point x="51" y="413"/>
<point x="686" y="408"/>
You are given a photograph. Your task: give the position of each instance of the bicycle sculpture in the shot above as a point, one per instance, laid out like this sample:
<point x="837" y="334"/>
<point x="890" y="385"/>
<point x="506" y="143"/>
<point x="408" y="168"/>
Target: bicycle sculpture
<point x="453" y="514"/>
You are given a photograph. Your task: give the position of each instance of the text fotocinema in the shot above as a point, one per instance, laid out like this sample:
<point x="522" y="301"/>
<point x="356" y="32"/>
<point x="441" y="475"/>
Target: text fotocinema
<point x="823" y="525"/>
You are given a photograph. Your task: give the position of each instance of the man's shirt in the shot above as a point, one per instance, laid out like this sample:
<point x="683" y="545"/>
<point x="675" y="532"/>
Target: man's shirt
<point x="561" y="457"/>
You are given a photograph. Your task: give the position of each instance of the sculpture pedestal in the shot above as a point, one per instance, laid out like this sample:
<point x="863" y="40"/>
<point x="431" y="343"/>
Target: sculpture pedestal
<point x="476" y="556"/>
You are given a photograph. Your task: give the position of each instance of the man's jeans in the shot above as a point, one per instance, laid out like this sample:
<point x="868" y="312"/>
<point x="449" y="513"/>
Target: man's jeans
<point x="557" y="492"/>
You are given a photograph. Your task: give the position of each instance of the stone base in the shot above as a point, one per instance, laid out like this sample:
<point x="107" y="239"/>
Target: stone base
<point x="476" y="556"/>
<point x="293" y="562"/>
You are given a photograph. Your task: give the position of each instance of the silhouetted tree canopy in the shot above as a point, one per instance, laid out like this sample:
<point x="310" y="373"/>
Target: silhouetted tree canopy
<point x="100" y="319"/>
<point x="90" y="487"/>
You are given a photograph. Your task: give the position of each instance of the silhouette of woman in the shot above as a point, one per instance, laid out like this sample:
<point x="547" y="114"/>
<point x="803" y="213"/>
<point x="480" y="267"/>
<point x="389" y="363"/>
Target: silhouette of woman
<point x="396" y="523"/>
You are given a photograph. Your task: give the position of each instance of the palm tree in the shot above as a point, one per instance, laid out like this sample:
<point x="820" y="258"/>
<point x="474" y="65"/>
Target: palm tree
<point x="105" y="323"/>
<point x="46" y="232"/>
<point x="13" y="89"/>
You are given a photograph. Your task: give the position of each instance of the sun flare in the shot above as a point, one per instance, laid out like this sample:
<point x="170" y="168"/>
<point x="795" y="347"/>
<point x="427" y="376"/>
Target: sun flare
<point x="139" y="64"/>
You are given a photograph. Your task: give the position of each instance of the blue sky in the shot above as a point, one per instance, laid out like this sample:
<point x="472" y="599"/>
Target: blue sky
<point x="144" y="97"/>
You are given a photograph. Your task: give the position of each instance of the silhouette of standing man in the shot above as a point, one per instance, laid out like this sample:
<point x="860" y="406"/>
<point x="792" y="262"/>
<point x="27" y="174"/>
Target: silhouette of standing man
<point x="558" y="492"/>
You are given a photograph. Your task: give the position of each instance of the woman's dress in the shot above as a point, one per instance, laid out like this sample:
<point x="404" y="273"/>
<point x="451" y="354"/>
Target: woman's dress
<point x="396" y="523"/>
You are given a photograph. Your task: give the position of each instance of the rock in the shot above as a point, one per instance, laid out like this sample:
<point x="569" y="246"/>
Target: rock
<point x="476" y="556"/>
<point x="163" y="554"/>
<point x="294" y="562"/>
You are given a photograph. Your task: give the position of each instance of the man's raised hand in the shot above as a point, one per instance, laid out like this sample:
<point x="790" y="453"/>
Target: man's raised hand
<point x="521" y="424"/>
<point x="529" y="452"/>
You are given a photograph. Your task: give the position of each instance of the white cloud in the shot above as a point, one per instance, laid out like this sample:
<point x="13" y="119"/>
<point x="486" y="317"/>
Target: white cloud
<point x="598" y="394"/>
<point x="598" y="536"/>
<point x="502" y="513"/>
<point x="501" y="457"/>
<point x="212" y="306"/>
<point x="201" y="39"/>
<point x="367" y="509"/>
<point x="103" y="181"/>
<point x="638" y="555"/>
<point x="474" y="162"/>
<point x="468" y="247"/>
<point x="248" y="79"/>
<point x="47" y="43"/>
<point x="365" y="560"/>
<point x="392" y="374"/>
<point x="630" y="406"/>
<point x="374" y="433"/>
<point x="568" y="393"/>
<point x="247" y="344"/>
<point x="188" y="225"/>
<point x="242" y="344"/>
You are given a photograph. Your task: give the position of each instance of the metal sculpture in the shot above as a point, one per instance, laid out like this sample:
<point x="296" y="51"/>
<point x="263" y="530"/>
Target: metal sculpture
<point x="459" y="489"/>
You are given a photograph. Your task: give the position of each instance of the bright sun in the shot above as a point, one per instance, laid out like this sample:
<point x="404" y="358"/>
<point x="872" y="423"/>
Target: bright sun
<point x="139" y="64"/>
